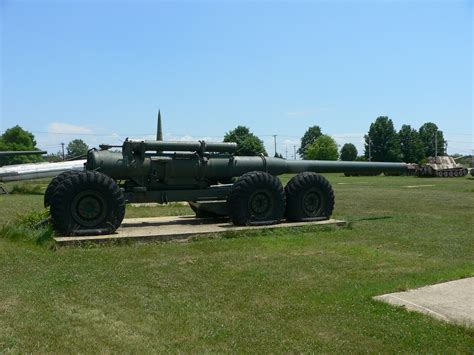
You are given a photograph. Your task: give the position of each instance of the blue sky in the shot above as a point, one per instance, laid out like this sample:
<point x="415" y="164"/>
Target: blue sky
<point x="99" y="70"/>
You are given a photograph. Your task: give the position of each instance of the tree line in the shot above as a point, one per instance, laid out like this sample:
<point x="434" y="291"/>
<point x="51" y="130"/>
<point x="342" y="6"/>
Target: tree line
<point x="16" y="139"/>
<point x="382" y="143"/>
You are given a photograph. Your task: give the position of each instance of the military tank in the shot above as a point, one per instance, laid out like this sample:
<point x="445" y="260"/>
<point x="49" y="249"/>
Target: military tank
<point x="442" y="166"/>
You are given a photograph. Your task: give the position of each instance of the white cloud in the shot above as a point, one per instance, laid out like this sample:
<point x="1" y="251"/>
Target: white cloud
<point x="66" y="128"/>
<point x="291" y="142"/>
<point x="188" y="137"/>
<point x="60" y="132"/>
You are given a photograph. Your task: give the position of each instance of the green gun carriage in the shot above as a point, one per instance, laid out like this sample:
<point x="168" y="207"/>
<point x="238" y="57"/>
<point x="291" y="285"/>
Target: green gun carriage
<point x="214" y="181"/>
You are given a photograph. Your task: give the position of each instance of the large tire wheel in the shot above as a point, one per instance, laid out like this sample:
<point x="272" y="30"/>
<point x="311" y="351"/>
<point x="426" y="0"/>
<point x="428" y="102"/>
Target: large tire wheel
<point x="309" y="196"/>
<point x="257" y="198"/>
<point x="54" y="184"/>
<point x="88" y="202"/>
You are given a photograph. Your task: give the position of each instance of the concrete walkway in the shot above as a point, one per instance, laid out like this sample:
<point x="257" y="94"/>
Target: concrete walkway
<point x="450" y="301"/>
<point x="178" y="227"/>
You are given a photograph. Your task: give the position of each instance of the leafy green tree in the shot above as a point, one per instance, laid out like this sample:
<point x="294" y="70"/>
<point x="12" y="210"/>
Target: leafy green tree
<point x="77" y="149"/>
<point x="348" y="152"/>
<point x="427" y="136"/>
<point x="309" y="138"/>
<point x="383" y="140"/>
<point x="323" y="148"/>
<point x="247" y="142"/>
<point x="16" y="138"/>
<point x="411" y="146"/>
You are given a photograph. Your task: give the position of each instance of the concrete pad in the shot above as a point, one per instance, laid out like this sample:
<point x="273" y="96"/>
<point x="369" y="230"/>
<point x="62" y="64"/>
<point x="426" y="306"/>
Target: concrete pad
<point x="178" y="227"/>
<point x="449" y="301"/>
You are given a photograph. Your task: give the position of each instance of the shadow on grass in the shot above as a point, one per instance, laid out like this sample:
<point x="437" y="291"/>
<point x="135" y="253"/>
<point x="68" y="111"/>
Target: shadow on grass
<point x="351" y="222"/>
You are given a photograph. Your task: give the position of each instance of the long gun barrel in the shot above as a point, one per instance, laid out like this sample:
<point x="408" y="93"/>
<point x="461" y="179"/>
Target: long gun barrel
<point x="134" y="163"/>
<point x="277" y="166"/>
<point x="22" y="152"/>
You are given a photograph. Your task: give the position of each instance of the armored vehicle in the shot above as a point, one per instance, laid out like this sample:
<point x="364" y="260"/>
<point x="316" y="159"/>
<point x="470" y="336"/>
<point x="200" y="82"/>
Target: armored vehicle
<point x="209" y="176"/>
<point x="442" y="166"/>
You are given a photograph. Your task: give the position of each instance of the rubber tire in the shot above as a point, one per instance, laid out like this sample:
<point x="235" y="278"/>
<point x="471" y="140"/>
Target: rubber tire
<point x="64" y="195"/>
<point x="55" y="182"/>
<point x="242" y="192"/>
<point x="298" y="186"/>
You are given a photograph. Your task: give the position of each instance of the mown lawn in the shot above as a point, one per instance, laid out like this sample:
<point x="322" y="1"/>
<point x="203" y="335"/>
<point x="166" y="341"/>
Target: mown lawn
<point x="291" y="290"/>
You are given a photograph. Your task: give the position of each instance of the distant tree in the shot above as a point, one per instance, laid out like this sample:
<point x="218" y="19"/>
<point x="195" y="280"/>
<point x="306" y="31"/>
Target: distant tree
<point x="411" y="146"/>
<point x="76" y="149"/>
<point x="323" y="148"/>
<point x="278" y="155"/>
<point x="385" y="145"/>
<point x="427" y="136"/>
<point x="16" y="138"/>
<point x="348" y="152"/>
<point x="247" y="142"/>
<point x="309" y="138"/>
<point x="361" y="158"/>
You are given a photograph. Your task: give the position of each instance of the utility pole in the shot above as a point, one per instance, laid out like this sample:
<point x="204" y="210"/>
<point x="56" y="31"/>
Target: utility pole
<point x="275" y="140"/>
<point x="286" y="153"/>
<point x="62" y="148"/>
<point x="370" y="149"/>
<point x="294" y="152"/>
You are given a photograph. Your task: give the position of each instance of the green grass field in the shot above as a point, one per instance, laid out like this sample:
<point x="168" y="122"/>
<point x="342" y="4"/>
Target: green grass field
<point x="291" y="290"/>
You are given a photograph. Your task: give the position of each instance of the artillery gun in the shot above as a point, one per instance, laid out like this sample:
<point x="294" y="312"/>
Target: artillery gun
<point x="93" y="201"/>
<point x="442" y="166"/>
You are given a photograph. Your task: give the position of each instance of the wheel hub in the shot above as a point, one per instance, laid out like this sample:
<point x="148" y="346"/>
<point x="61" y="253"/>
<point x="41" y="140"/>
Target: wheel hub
<point x="260" y="204"/>
<point x="312" y="202"/>
<point x="88" y="208"/>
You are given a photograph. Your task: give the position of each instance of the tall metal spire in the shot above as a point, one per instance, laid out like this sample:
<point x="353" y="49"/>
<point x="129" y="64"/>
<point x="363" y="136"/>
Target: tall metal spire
<point x="159" y="129"/>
